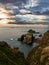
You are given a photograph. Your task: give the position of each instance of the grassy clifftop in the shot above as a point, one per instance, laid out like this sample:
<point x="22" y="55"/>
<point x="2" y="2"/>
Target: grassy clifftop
<point x="9" y="56"/>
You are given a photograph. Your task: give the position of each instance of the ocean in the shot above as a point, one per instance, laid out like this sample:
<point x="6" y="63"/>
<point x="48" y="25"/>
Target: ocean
<point x="11" y="33"/>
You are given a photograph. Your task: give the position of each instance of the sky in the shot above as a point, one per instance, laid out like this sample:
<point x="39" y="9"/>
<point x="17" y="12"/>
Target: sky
<point x="24" y="11"/>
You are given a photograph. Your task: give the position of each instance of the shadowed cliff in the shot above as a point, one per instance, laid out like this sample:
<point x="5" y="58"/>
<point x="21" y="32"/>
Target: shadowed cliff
<point x="11" y="56"/>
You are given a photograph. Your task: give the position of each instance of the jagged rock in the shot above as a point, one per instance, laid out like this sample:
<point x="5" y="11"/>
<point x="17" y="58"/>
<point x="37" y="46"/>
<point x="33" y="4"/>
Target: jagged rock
<point x="27" y="38"/>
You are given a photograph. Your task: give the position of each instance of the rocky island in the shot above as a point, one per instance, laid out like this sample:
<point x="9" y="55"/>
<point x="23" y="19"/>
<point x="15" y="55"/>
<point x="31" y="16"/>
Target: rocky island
<point x="28" y="38"/>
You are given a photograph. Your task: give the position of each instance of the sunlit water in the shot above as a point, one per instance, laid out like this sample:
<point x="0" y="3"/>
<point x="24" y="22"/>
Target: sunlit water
<point x="11" y="33"/>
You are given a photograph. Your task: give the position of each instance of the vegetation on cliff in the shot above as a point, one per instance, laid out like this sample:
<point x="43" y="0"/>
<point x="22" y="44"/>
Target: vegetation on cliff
<point x="11" y="56"/>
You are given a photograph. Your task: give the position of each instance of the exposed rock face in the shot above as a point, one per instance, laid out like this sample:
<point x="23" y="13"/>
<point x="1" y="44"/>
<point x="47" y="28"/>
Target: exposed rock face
<point x="40" y="54"/>
<point x="45" y="55"/>
<point x="27" y="38"/>
<point x="11" y="56"/>
<point x="45" y="38"/>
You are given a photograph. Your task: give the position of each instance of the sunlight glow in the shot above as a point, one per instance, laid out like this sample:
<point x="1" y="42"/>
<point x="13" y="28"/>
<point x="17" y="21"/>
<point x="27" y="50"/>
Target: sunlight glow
<point x="4" y="21"/>
<point x="2" y="15"/>
<point x="3" y="18"/>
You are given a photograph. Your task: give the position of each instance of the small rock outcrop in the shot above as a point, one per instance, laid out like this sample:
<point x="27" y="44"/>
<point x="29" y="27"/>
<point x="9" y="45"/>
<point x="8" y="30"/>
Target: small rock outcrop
<point x="32" y="31"/>
<point x="27" y="38"/>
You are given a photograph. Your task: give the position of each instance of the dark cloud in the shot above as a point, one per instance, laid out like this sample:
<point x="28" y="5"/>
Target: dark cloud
<point x="12" y="1"/>
<point x="34" y="6"/>
<point x="43" y="3"/>
<point x="43" y="13"/>
<point x="46" y="12"/>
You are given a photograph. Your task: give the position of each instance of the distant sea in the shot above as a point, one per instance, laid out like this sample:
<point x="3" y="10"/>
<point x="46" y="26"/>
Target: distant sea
<point x="10" y="34"/>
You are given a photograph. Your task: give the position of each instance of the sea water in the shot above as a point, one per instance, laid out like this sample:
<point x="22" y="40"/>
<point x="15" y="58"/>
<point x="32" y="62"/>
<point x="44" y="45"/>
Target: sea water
<point x="11" y="33"/>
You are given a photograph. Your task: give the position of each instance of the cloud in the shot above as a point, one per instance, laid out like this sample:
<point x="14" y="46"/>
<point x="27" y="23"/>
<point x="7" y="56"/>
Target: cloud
<point x="22" y="6"/>
<point x="31" y="18"/>
<point x="9" y="9"/>
<point x="42" y="5"/>
<point x="11" y="6"/>
<point x="24" y="11"/>
<point x="31" y="3"/>
<point x="38" y="6"/>
<point x="13" y="1"/>
<point x="6" y="15"/>
<point x="45" y="12"/>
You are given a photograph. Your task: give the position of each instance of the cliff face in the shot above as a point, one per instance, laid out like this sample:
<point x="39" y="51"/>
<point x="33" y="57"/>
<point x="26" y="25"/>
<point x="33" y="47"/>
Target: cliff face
<point x="9" y="56"/>
<point x="45" y="38"/>
<point x="40" y="54"/>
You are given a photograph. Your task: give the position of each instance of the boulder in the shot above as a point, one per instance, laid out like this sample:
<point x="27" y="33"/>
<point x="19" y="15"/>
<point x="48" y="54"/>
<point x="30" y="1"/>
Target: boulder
<point x="27" y="38"/>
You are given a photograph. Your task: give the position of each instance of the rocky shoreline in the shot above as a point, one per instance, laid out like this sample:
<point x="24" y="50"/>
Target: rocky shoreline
<point x="37" y="56"/>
